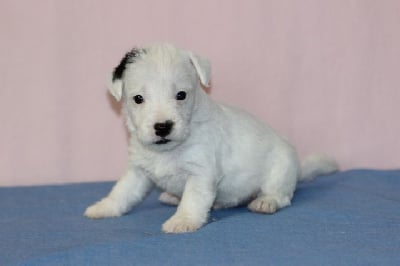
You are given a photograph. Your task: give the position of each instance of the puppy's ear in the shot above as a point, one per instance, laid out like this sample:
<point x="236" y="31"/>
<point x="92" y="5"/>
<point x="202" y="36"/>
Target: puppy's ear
<point x="116" y="81"/>
<point x="203" y="68"/>
<point x="115" y="87"/>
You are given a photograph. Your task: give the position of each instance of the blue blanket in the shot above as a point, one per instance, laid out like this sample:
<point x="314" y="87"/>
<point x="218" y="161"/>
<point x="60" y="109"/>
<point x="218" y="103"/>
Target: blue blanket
<point x="349" y="218"/>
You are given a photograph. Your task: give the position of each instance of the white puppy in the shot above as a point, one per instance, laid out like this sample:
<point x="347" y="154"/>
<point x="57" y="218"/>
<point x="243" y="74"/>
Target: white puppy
<point x="202" y="154"/>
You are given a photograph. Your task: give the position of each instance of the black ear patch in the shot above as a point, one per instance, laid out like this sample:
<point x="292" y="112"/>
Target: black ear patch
<point x="129" y="58"/>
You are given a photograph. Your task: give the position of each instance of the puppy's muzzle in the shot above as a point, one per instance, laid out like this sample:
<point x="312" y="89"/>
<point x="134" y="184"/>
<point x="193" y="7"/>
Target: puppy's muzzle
<point x="163" y="129"/>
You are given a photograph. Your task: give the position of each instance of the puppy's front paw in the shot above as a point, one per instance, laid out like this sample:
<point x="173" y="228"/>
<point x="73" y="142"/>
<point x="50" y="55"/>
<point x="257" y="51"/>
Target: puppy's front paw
<point x="178" y="224"/>
<point x="264" y="204"/>
<point x="103" y="209"/>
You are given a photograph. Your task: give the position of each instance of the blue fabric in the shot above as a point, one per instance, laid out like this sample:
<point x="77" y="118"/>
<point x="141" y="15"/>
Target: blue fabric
<point x="349" y="218"/>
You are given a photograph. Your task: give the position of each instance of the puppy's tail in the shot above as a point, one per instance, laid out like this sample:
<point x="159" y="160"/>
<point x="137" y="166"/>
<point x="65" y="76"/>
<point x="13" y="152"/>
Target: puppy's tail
<point x="316" y="165"/>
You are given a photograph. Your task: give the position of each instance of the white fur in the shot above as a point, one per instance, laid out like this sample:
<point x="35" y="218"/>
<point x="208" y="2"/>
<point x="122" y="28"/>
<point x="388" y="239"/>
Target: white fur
<point x="217" y="155"/>
<point x="316" y="165"/>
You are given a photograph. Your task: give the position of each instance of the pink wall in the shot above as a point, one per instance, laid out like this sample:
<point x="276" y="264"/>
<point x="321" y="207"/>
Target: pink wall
<point x="324" y="73"/>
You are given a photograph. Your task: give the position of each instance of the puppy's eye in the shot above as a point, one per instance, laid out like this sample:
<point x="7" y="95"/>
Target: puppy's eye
<point x="181" y="96"/>
<point x="138" y="99"/>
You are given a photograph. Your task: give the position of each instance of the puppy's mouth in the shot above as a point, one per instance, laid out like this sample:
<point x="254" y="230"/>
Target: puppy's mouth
<point x="162" y="141"/>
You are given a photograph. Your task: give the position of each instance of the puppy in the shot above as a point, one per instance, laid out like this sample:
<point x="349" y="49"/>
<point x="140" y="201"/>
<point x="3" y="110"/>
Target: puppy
<point x="201" y="153"/>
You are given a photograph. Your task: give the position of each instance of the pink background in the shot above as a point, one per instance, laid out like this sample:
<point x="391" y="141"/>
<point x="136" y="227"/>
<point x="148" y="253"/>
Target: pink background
<point x="323" y="73"/>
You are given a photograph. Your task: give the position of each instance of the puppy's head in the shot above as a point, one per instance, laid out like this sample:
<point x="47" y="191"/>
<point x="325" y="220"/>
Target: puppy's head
<point x="160" y="87"/>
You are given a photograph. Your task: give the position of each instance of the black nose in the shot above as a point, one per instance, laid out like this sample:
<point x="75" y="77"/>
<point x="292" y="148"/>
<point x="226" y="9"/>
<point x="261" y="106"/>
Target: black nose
<point x="163" y="129"/>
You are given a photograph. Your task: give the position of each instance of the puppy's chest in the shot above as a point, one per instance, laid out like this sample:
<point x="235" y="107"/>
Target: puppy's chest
<point x="165" y="171"/>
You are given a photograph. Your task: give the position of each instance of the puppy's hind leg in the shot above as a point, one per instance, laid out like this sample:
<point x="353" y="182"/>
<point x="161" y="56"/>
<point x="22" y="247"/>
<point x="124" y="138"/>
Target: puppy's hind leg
<point x="169" y="199"/>
<point x="127" y="192"/>
<point x="278" y="185"/>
